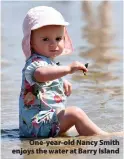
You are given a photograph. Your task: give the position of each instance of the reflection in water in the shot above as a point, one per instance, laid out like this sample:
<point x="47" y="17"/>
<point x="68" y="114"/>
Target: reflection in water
<point x="103" y="77"/>
<point x="99" y="33"/>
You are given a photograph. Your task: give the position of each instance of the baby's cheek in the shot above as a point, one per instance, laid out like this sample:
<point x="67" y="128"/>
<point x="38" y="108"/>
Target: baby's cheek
<point x="61" y="50"/>
<point x="61" y="45"/>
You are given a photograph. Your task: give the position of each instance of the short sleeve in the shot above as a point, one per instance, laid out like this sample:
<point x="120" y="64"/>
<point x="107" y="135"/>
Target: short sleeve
<point x="29" y="71"/>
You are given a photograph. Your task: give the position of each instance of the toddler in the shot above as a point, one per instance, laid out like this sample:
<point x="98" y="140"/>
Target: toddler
<point x="42" y="111"/>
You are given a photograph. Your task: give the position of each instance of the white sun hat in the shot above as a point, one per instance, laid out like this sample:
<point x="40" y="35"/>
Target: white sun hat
<point x="42" y="16"/>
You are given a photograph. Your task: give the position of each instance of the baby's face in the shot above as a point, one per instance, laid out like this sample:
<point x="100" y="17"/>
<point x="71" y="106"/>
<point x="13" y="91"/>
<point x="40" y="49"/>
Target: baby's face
<point x="48" y="40"/>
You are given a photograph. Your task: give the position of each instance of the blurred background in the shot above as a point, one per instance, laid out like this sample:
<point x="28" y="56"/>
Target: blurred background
<point x="96" y="29"/>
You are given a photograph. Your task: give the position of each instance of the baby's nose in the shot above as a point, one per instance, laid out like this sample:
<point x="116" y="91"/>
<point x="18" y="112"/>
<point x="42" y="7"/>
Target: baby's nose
<point x="53" y="43"/>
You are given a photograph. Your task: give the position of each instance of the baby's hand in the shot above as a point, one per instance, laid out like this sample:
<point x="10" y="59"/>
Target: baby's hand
<point x="67" y="87"/>
<point x="75" y="66"/>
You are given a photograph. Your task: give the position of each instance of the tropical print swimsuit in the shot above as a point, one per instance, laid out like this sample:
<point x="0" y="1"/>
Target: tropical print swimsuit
<point x="38" y="101"/>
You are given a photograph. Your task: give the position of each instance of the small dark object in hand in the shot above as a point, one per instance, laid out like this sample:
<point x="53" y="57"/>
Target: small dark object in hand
<point x="86" y="65"/>
<point x="58" y="63"/>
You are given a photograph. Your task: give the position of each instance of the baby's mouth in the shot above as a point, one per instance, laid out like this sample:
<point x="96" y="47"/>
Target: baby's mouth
<point x="53" y="50"/>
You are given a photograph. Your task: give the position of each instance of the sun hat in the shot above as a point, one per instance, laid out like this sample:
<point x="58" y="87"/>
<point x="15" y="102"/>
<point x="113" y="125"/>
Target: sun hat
<point x="42" y="16"/>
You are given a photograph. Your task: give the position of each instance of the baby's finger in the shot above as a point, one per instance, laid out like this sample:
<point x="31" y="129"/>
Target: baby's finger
<point x="83" y="68"/>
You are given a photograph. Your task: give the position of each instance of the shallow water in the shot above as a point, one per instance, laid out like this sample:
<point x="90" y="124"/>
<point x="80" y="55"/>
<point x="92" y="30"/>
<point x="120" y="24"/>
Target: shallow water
<point x="96" y="32"/>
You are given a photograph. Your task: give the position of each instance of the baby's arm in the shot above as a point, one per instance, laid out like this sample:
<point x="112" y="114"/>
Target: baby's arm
<point x="48" y="73"/>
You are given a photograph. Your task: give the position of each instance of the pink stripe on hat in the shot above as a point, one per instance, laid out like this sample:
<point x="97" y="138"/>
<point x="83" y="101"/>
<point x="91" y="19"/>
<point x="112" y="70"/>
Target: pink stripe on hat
<point x="42" y="16"/>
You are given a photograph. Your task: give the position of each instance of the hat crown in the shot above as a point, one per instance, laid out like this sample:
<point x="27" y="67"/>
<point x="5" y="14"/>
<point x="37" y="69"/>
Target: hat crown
<point x="46" y="16"/>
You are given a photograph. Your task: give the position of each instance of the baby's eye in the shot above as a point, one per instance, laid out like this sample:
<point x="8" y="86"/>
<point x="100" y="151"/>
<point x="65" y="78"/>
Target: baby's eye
<point x="45" y="39"/>
<point x="58" y="38"/>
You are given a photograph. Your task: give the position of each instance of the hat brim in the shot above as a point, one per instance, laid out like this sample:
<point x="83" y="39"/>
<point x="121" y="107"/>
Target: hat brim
<point x="37" y="26"/>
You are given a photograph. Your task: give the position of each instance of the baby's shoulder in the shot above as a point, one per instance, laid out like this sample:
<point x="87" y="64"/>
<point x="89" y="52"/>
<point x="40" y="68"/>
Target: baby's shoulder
<point x="36" y="58"/>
